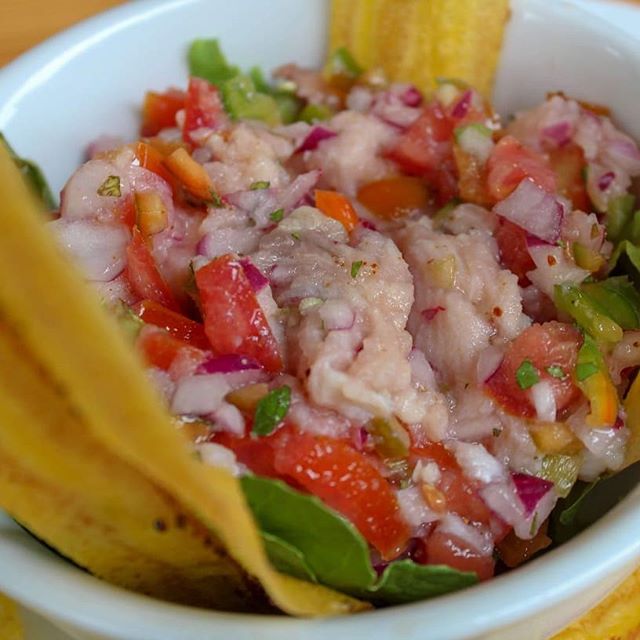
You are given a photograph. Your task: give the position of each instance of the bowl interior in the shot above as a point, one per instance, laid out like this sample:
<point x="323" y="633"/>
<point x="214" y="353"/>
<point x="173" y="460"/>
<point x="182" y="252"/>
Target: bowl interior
<point x="90" y="80"/>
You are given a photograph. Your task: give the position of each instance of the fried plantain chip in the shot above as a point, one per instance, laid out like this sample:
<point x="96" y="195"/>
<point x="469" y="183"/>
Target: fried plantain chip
<point x="10" y="623"/>
<point x="58" y="319"/>
<point x="61" y="484"/>
<point x="421" y="40"/>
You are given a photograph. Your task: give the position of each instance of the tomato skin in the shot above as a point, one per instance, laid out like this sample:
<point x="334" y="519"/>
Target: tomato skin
<point x="551" y="343"/>
<point x="256" y="453"/>
<point x="160" y="349"/>
<point x="347" y="481"/>
<point x="335" y="205"/>
<point x="512" y="244"/>
<point x="175" y="324"/>
<point x="568" y="163"/>
<point x="426" y="149"/>
<point x="511" y="162"/>
<point x="233" y="320"/>
<point x="143" y="275"/>
<point x="159" y="111"/>
<point x="448" y="549"/>
<point x="203" y="107"/>
<point x="472" y="181"/>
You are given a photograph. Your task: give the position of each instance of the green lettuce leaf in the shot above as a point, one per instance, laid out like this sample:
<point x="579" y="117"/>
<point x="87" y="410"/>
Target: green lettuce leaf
<point x="618" y="298"/>
<point x="305" y="538"/>
<point x="34" y="177"/>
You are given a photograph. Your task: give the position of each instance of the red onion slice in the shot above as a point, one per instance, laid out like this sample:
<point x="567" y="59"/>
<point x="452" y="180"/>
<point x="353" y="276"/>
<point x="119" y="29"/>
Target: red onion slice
<point x="605" y="180"/>
<point x="411" y="97"/>
<point x="489" y="361"/>
<point x="257" y="280"/>
<point x="461" y="108"/>
<point x="558" y="132"/>
<point x="534" y="210"/>
<point x="531" y="490"/>
<point x="227" y="364"/>
<point x="314" y="138"/>
<point x="431" y="313"/>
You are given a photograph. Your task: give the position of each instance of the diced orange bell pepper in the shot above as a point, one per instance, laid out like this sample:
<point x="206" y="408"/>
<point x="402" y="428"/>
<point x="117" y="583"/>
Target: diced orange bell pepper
<point x="151" y="214"/>
<point x="190" y="173"/>
<point x="159" y="110"/>
<point x="335" y="205"/>
<point x="393" y="198"/>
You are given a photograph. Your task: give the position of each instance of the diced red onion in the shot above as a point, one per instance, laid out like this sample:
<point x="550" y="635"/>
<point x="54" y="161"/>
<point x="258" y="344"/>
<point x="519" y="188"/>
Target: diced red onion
<point x="199" y="395"/>
<point x="390" y="108"/>
<point x="368" y="225"/>
<point x="544" y="401"/>
<point x="227" y="364"/>
<point x="461" y="108"/>
<point x="431" y="313"/>
<point x="605" y="180"/>
<point x="475" y="538"/>
<point x="228" y="240"/>
<point x="421" y="371"/>
<point x="534" y="210"/>
<point x="360" y="438"/>
<point x="624" y="153"/>
<point x="534" y="241"/>
<point x="489" y="361"/>
<point x="502" y="498"/>
<point x="531" y="490"/>
<point x="411" y="96"/>
<point x="228" y="418"/>
<point x="558" y="132"/>
<point x="336" y="315"/>
<point x="301" y="187"/>
<point x="255" y="277"/>
<point x="314" y="138"/>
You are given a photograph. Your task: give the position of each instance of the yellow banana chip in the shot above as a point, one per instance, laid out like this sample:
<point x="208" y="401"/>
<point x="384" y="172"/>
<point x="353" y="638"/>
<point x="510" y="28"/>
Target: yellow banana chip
<point x="420" y="40"/>
<point x="615" y="618"/>
<point x="59" y="320"/>
<point x="59" y="482"/>
<point x="10" y="623"/>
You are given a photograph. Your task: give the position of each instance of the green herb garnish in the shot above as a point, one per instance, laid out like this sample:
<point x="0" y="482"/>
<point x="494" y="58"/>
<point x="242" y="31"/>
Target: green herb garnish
<point x="527" y="375"/>
<point x="585" y="370"/>
<point x="295" y="235"/>
<point x="277" y="215"/>
<point x="556" y="371"/>
<point x="110" y="187"/>
<point x="207" y="61"/>
<point x="355" y="268"/>
<point x="216" y="200"/>
<point x="271" y="411"/>
<point x="259" y="184"/>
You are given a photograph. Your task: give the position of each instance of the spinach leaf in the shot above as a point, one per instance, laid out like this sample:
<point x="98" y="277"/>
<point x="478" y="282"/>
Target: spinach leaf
<point x="405" y="581"/>
<point x="568" y="514"/>
<point x="287" y="558"/>
<point x="332" y="547"/>
<point x="33" y="175"/>
<point x="626" y="259"/>
<point x="618" y="298"/>
<point x="207" y="61"/>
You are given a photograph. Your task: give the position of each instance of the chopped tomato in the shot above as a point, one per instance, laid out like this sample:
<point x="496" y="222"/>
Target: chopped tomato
<point x="452" y="551"/>
<point x="160" y="349"/>
<point x="393" y="198"/>
<point x="511" y="162"/>
<point x="233" y="319"/>
<point x="472" y="180"/>
<point x="568" y="164"/>
<point x="126" y="211"/>
<point x="159" y="110"/>
<point x="347" y="481"/>
<point x="143" y="275"/>
<point x="175" y="324"/>
<point x="553" y="344"/>
<point x="258" y="454"/>
<point x="514" y="551"/>
<point x="426" y="149"/>
<point x="203" y="108"/>
<point x="512" y="243"/>
<point x="335" y="205"/>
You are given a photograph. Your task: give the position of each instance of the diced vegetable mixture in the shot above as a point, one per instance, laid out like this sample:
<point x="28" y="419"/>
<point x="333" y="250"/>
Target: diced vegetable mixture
<point x="408" y="326"/>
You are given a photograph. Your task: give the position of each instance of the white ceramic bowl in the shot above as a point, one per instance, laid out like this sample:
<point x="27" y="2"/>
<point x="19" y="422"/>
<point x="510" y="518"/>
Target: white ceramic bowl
<point x="89" y="81"/>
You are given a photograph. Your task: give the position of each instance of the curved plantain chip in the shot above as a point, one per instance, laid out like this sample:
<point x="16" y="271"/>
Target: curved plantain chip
<point x="58" y="319"/>
<point x="421" y="40"/>
<point x="10" y="624"/>
<point x="61" y="484"/>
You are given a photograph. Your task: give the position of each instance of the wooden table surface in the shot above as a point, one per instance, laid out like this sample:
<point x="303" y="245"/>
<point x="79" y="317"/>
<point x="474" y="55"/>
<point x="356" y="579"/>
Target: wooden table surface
<point x="24" y="23"/>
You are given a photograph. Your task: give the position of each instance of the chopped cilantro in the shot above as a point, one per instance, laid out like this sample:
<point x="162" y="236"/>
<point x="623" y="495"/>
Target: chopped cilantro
<point x="556" y="371"/>
<point x="271" y="410"/>
<point x="534" y="525"/>
<point x="355" y="268"/>
<point x="216" y="200"/>
<point x="585" y="370"/>
<point x="295" y="235"/>
<point x="260" y="184"/>
<point x="110" y="187"/>
<point x="276" y="216"/>
<point x="527" y="375"/>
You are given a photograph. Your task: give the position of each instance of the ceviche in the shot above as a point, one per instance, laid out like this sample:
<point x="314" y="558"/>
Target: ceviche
<point x="409" y="327"/>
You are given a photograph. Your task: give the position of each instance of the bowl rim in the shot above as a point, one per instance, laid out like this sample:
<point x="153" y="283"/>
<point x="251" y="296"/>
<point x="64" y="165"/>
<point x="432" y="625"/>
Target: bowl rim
<point x="550" y="578"/>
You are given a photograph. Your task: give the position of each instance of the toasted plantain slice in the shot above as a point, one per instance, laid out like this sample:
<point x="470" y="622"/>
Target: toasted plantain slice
<point x="59" y="320"/>
<point x="420" y="40"/>
<point x="10" y="624"/>
<point x="60" y="483"/>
